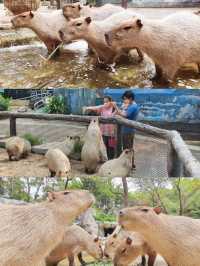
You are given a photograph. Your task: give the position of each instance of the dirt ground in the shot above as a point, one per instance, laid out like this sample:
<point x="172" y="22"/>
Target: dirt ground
<point x="33" y="166"/>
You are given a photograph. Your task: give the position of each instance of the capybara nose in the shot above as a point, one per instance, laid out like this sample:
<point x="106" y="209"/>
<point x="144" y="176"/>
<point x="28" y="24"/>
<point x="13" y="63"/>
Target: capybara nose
<point x="61" y="34"/>
<point x="121" y="213"/>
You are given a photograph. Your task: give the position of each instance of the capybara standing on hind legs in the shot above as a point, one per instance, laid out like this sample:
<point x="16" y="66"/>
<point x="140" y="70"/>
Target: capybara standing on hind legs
<point x="93" y="149"/>
<point x="171" y="42"/>
<point x="175" y="238"/>
<point x="29" y="233"/>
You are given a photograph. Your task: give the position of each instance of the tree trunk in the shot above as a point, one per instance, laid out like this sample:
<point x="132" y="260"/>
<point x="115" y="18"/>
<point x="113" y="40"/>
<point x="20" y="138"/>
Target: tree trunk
<point x="125" y="188"/>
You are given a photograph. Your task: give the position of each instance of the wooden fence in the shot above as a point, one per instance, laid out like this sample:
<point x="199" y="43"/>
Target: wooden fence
<point x="180" y="161"/>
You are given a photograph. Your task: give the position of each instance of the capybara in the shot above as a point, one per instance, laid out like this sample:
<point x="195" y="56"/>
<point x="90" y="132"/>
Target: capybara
<point x="75" y="240"/>
<point x="119" y="167"/>
<point x="29" y="233"/>
<point x="94" y="33"/>
<point x="124" y="247"/>
<point x="131" y="248"/>
<point x="58" y="163"/>
<point x="45" y="25"/>
<point x="91" y="153"/>
<point x="76" y="10"/>
<point x="175" y="238"/>
<point x="170" y="42"/>
<point x="88" y="222"/>
<point x="17" y="148"/>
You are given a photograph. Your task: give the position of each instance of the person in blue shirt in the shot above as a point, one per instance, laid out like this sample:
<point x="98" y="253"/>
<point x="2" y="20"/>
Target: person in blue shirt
<point x="129" y="110"/>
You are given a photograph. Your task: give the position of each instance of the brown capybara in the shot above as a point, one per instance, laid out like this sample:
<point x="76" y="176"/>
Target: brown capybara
<point x="30" y="232"/>
<point x="170" y="42"/>
<point x="17" y="148"/>
<point x="175" y="238"/>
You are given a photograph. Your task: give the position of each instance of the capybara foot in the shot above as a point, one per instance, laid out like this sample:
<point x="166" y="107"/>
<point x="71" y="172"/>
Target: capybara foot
<point x="52" y="174"/>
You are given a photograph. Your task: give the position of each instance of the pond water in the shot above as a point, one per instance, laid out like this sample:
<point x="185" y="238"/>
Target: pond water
<point x="24" y="67"/>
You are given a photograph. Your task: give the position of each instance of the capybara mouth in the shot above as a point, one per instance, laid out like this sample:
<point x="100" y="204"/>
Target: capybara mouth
<point x="107" y="39"/>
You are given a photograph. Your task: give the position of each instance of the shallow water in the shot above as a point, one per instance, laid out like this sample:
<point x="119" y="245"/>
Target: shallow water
<point x="25" y="67"/>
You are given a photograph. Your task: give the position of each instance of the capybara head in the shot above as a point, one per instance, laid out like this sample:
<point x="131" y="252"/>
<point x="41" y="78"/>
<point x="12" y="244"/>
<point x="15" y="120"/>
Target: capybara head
<point x="76" y="29"/>
<point x="23" y="19"/>
<point x="95" y="249"/>
<point x="111" y="244"/>
<point x="122" y="254"/>
<point x="139" y="218"/>
<point x="125" y="33"/>
<point x="74" y="201"/>
<point x="72" y="10"/>
<point x="127" y="153"/>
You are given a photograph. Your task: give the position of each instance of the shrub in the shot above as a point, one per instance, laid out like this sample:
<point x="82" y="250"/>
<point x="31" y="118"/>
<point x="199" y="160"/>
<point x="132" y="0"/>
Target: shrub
<point x="34" y="140"/>
<point x="4" y="103"/>
<point x="56" y="105"/>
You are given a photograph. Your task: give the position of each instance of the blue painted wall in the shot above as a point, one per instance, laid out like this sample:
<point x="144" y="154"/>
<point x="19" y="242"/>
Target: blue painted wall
<point x="170" y="105"/>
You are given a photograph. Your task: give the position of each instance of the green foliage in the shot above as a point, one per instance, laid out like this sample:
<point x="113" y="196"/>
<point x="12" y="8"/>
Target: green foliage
<point x="5" y="103"/>
<point x="56" y="105"/>
<point x="78" y="147"/>
<point x="34" y="140"/>
<point x="104" y="217"/>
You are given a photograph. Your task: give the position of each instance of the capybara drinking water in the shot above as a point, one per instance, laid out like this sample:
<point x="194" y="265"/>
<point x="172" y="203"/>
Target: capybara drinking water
<point x="93" y="148"/>
<point x="58" y="163"/>
<point x="76" y="10"/>
<point x="171" y="42"/>
<point x="175" y="238"/>
<point x="75" y="240"/>
<point x="94" y="33"/>
<point x="45" y="25"/>
<point x="30" y="232"/>
<point x="119" y="167"/>
<point x="17" y="148"/>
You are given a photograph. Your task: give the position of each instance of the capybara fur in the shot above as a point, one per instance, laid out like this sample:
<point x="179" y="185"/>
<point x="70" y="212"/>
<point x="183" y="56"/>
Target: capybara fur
<point x="91" y="153"/>
<point x="45" y="25"/>
<point x="75" y="240"/>
<point x="170" y="42"/>
<point x="58" y="163"/>
<point x="175" y="238"/>
<point x="29" y="233"/>
<point x="17" y="148"/>
<point x="119" y="167"/>
<point x="76" y="10"/>
<point x="94" y="33"/>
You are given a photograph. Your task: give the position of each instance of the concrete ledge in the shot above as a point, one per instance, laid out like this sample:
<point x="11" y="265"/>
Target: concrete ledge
<point x="161" y="4"/>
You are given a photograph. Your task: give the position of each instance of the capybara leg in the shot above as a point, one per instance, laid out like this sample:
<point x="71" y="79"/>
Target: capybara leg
<point x="152" y="258"/>
<point x="52" y="173"/>
<point x="159" y="73"/>
<point x="143" y="261"/>
<point x="71" y="260"/>
<point x="140" y="54"/>
<point x="10" y="157"/>
<point x="198" y="65"/>
<point x="80" y="257"/>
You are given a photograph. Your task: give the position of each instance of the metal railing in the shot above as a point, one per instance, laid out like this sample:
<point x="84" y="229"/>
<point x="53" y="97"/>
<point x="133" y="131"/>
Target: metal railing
<point x="180" y="161"/>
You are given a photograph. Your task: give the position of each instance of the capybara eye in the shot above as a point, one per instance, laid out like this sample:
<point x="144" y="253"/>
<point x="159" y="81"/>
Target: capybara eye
<point x="123" y="251"/>
<point x="127" y="28"/>
<point x="78" y="24"/>
<point x="145" y="210"/>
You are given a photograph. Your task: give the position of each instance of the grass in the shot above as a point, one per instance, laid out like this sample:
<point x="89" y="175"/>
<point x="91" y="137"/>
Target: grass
<point x="34" y="140"/>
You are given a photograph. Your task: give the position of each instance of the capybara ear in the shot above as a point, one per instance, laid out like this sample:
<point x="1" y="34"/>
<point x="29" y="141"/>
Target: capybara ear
<point x="51" y="196"/>
<point x="31" y="14"/>
<point x="157" y="210"/>
<point x="96" y="239"/>
<point x="129" y="240"/>
<point x="139" y="23"/>
<point x="79" y="7"/>
<point x="88" y="20"/>
<point x="115" y="235"/>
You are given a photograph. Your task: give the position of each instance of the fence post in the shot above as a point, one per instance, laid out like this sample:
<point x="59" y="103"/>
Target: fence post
<point x="174" y="165"/>
<point x="13" y="130"/>
<point x="119" y="140"/>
